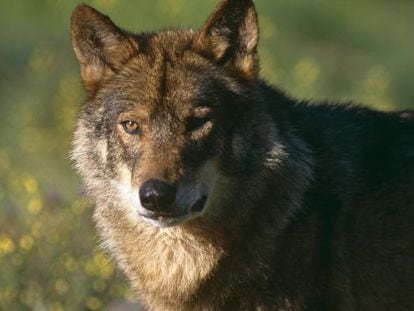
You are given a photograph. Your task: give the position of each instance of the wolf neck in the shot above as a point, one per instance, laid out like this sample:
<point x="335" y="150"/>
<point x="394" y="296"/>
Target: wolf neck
<point x="164" y="265"/>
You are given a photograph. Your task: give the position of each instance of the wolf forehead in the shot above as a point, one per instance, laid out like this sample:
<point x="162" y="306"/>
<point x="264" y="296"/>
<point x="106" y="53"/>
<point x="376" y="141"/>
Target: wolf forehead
<point x="163" y="85"/>
<point x="165" y="78"/>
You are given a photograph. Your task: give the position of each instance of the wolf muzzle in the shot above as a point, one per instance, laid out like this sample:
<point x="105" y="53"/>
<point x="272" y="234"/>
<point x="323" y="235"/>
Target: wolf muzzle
<point x="157" y="195"/>
<point x="163" y="207"/>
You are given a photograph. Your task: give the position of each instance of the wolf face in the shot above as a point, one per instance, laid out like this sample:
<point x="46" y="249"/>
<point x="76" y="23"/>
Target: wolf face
<point x="153" y="132"/>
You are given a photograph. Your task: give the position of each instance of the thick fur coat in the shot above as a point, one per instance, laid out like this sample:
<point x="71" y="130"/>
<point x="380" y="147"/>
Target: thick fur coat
<point x="277" y="204"/>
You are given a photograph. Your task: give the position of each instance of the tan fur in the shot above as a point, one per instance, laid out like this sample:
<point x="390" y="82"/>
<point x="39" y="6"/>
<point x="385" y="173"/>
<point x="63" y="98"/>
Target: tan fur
<point x="184" y="261"/>
<point x="273" y="205"/>
<point x="117" y="48"/>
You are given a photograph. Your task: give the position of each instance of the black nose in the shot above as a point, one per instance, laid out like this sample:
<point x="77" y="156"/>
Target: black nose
<point x="157" y="195"/>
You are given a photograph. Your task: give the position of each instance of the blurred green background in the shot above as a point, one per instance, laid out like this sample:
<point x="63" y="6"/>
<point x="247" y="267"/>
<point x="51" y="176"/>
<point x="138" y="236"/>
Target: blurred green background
<point x="49" y="258"/>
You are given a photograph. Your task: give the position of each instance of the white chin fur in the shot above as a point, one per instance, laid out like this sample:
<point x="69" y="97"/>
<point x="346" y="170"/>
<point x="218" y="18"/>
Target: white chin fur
<point x="166" y="222"/>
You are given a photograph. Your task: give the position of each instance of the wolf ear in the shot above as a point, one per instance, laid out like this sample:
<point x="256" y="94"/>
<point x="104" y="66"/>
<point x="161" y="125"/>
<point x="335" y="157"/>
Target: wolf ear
<point x="100" y="46"/>
<point x="230" y="37"/>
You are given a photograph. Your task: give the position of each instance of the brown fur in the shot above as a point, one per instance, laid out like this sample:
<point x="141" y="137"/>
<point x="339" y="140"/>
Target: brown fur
<point x="308" y="207"/>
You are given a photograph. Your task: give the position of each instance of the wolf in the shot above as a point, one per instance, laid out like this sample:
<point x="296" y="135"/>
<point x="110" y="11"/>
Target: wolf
<point x="217" y="191"/>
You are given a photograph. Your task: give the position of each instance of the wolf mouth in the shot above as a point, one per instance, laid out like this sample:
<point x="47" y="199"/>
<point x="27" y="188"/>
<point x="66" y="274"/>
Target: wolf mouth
<point x="198" y="206"/>
<point x="163" y="219"/>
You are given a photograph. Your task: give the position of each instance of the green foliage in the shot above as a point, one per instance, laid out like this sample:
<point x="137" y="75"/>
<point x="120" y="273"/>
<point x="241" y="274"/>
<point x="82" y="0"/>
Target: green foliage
<point x="49" y="258"/>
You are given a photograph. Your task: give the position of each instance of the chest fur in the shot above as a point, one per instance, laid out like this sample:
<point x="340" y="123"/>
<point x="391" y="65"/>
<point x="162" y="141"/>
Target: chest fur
<point x="163" y="265"/>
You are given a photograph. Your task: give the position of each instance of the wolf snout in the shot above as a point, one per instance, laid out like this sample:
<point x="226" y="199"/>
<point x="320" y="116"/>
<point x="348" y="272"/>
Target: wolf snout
<point x="157" y="195"/>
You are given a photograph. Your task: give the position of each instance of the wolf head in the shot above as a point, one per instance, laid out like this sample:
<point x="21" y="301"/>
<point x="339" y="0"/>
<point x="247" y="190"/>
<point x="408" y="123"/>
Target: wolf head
<point x="170" y="116"/>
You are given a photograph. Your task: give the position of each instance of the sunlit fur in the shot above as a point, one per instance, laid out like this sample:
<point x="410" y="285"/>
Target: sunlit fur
<point x="309" y="207"/>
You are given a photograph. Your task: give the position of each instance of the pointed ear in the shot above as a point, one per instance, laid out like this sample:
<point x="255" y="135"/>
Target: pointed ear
<point x="100" y="47"/>
<point x="230" y="37"/>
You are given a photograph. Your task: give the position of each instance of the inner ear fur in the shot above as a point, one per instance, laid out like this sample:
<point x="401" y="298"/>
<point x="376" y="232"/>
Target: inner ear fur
<point x="230" y="37"/>
<point x="100" y="46"/>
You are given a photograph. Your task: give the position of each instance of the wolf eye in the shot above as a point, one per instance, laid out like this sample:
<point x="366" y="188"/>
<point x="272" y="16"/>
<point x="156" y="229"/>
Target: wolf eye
<point x="196" y="123"/>
<point x="131" y="127"/>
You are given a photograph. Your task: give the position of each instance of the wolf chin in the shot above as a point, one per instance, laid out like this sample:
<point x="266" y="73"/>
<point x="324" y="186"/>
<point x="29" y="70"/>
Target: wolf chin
<point x="216" y="191"/>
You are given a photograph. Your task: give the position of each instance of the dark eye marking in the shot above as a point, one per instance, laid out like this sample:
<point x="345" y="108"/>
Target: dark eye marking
<point x="131" y="127"/>
<point x="195" y="123"/>
<point x="201" y="118"/>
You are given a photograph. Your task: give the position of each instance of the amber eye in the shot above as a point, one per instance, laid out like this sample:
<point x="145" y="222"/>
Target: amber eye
<point x="131" y="127"/>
